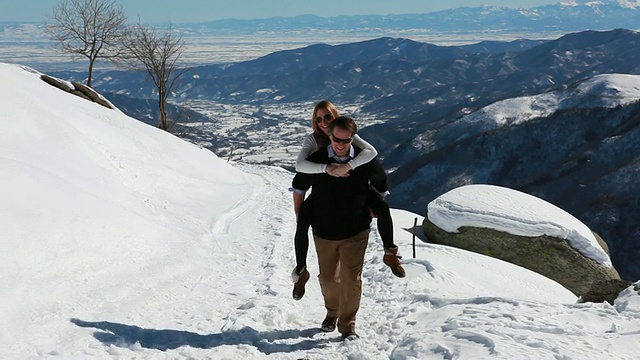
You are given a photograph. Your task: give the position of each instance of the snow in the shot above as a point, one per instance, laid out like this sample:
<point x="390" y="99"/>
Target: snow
<point x="121" y="241"/>
<point x="622" y="3"/>
<point x="513" y="212"/>
<point x="605" y="90"/>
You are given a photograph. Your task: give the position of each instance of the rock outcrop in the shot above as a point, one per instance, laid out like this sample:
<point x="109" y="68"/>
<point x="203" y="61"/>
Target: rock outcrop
<point x="473" y="214"/>
<point x="607" y="290"/>
<point x="78" y="89"/>
<point x="548" y="256"/>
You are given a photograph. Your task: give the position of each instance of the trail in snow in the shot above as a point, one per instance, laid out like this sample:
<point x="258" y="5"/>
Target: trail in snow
<point x="298" y="321"/>
<point x="240" y="304"/>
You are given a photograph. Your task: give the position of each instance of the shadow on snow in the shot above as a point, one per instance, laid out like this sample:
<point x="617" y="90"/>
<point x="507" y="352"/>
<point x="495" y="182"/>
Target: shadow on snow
<point x="122" y="335"/>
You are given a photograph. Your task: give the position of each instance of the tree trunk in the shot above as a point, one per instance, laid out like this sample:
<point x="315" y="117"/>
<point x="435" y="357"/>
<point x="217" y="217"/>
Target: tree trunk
<point x="91" y="61"/>
<point x="162" y="107"/>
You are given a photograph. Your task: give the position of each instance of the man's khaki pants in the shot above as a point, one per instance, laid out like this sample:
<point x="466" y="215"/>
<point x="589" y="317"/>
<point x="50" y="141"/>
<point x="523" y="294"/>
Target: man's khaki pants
<point x="340" y="264"/>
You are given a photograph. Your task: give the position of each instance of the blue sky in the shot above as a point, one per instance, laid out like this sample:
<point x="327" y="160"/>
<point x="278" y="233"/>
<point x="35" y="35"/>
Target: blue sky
<point x="207" y="10"/>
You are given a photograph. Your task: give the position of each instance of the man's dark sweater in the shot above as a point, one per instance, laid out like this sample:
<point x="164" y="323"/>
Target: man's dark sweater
<point x="339" y="204"/>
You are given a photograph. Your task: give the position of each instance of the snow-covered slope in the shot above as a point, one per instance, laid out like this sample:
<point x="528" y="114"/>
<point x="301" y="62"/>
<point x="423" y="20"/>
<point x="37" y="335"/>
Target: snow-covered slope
<point x="604" y="91"/>
<point x="608" y="90"/>
<point x="120" y="241"/>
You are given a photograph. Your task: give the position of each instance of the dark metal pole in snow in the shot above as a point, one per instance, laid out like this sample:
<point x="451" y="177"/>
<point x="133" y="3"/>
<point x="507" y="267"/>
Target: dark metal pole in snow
<point x="415" y="224"/>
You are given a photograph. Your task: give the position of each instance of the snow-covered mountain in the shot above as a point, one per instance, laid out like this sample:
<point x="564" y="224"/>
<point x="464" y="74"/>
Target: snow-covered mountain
<point x="632" y="4"/>
<point x="121" y="241"/>
<point x="576" y="148"/>
<point x="600" y="91"/>
<point x="225" y="41"/>
<point x="398" y="78"/>
<point x="563" y="16"/>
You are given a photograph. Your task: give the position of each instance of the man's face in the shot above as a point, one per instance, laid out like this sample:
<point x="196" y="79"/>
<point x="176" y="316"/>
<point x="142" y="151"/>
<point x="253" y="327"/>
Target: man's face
<point x="341" y="141"/>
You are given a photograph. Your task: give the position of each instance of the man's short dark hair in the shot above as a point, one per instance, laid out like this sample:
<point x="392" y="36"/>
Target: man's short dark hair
<point x="343" y="122"/>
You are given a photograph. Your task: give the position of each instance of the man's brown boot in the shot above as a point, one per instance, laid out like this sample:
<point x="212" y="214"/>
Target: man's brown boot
<point x="392" y="260"/>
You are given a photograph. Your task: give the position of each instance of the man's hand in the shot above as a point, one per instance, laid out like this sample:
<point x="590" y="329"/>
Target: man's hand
<point x="338" y="170"/>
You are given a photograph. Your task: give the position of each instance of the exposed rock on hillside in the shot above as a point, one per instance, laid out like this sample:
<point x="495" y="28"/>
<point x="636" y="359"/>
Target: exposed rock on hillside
<point x="521" y="229"/>
<point x="78" y="89"/>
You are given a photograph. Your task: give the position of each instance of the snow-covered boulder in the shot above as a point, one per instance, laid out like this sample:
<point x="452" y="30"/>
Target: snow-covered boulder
<point x="521" y="229"/>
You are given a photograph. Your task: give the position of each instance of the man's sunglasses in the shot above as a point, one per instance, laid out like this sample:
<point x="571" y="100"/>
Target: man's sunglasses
<point x="341" y="141"/>
<point x="327" y="118"/>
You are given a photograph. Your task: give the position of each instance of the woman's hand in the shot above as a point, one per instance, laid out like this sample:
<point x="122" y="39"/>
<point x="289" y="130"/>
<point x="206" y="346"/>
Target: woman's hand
<point x="338" y="170"/>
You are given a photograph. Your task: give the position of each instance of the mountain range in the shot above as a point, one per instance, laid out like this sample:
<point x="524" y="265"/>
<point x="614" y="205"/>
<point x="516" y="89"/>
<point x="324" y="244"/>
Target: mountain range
<point x="580" y="158"/>
<point x="583" y="159"/>
<point x="564" y="16"/>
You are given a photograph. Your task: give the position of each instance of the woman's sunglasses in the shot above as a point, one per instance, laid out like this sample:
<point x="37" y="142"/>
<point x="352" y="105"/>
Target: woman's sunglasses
<point x="326" y="119"/>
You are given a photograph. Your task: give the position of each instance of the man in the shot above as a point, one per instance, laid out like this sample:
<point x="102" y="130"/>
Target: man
<point x="341" y="225"/>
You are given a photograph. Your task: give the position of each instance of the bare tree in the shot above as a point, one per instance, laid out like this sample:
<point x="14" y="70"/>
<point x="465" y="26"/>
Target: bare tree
<point x="158" y="53"/>
<point x="88" y="28"/>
